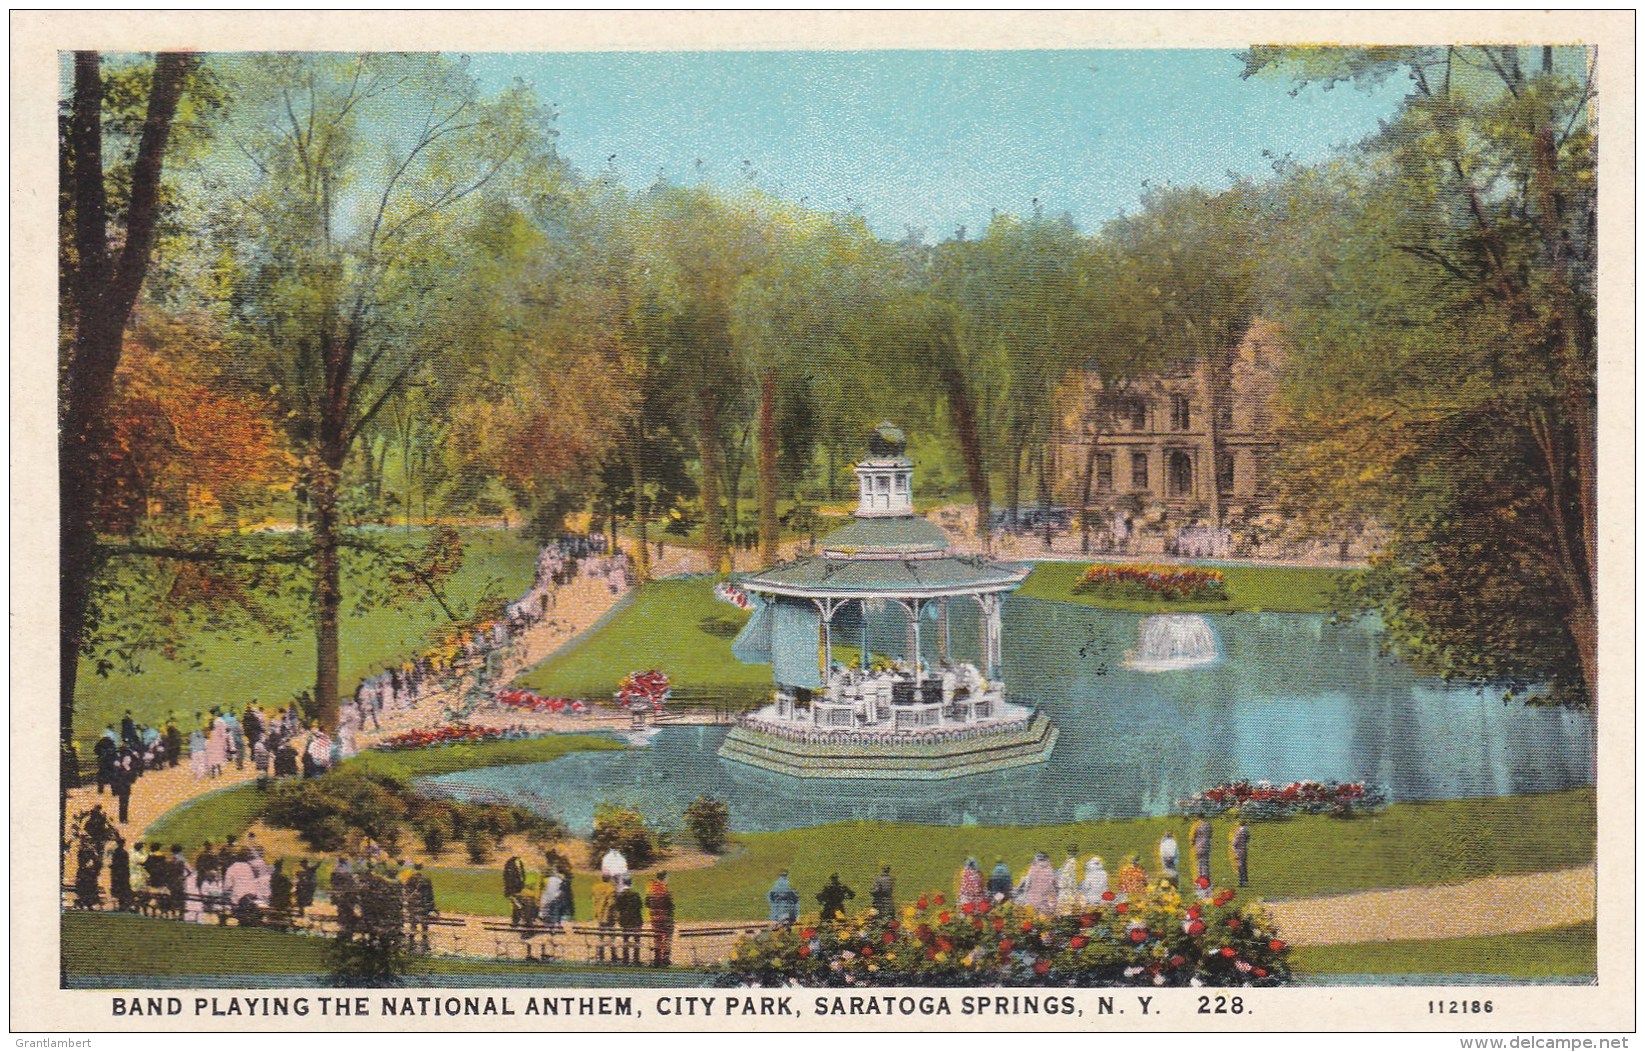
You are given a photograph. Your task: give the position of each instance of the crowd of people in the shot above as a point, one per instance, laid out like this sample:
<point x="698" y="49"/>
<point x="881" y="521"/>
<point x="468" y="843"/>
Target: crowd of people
<point x="219" y="882"/>
<point x="625" y="920"/>
<point x="1069" y="888"/>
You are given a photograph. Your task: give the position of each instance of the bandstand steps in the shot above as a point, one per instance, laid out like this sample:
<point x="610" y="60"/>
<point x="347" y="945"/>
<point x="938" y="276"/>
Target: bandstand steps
<point x="911" y="758"/>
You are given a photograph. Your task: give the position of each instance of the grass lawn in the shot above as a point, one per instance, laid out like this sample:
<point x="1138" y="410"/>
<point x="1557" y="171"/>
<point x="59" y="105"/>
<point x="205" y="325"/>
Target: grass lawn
<point x="1555" y="953"/>
<point x="230" y="811"/>
<point x="232" y="666"/>
<point x="1408" y="844"/>
<point x="676" y="625"/>
<point x="1279" y="589"/>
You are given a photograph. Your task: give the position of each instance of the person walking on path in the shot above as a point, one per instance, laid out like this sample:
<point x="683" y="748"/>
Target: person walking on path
<point x="999" y="881"/>
<point x="120" y="875"/>
<point x="630" y="910"/>
<point x="1201" y="837"/>
<point x="832" y="898"/>
<point x="659" y="901"/>
<point x="121" y="779"/>
<point x="1239" y="846"/>
<point x="883" y="894"/>
<point x="1168" y="856"/>
<point x="783" y="900"/>
<point x="970" y="889"/>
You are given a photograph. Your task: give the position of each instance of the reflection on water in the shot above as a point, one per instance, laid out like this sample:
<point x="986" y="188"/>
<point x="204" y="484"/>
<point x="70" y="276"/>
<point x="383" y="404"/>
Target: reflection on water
<point x="1293" y="697"/>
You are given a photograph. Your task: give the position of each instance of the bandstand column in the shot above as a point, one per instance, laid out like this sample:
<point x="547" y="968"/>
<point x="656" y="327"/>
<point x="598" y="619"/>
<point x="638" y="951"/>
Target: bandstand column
<point x="863" y="605"/>
<point x="942" y="611"/>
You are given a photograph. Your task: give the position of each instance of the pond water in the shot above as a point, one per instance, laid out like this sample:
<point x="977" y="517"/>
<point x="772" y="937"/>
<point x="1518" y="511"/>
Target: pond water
<point x="1292" y="696"/>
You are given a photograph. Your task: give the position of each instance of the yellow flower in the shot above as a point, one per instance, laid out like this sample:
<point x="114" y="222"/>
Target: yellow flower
<point x="941" y="956"/>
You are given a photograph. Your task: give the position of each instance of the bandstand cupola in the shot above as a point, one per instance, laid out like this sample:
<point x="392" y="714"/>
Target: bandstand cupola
<point x="885" y="477"/>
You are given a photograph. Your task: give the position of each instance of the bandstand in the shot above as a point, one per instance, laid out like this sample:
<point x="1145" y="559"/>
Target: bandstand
<point x="927" y="703"/>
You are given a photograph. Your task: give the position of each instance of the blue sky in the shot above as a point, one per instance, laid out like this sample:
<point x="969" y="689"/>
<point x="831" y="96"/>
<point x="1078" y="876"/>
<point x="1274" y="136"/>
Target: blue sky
<point x="935" y="139"/>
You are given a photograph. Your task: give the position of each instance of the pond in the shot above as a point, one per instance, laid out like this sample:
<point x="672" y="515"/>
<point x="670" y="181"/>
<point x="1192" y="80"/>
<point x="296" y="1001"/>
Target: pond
<point x="1293" y="696"/>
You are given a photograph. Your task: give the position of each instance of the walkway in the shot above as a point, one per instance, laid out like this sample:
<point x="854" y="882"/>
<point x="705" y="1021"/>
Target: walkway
<point x="1488" y="906"/>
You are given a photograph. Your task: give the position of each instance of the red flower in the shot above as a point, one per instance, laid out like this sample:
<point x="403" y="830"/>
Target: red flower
<point x="1196" y="927"/>
<point x="1087" y="920"/>
<point x="1261" y="973"/>
<point x="1178" y="960"/>
<point x="868" y="951"/>
<point x="1276" y="945"/>
<point x="939" y="898"/>
<point x="1122" y="908"/>
<point x="1228" y="951"/>
<point x="968" y="908"/>
<point x="944" y="917"/>
<point x="1027" y="925"/>
<point x="1078" y="942"/>
<point x="805" y="949"/>
<point x="930" y="953"/>
<point x="889" y="937"/>
<point x="943" y="944"/>
<point x="1041" y="967"/>
<point x="1202" y="883"/>
<point x="809" y="933"/>
<point x="999" y="923"/>
<point x="1138" y="935"/>
<point x="923" y="903"/>
<point x="1233" y="922"/>
<point x="1194" y="911"/>
<point x="1005" y="946"/>
<point x="1108" y="896"/>
<point x="976" y="922"/>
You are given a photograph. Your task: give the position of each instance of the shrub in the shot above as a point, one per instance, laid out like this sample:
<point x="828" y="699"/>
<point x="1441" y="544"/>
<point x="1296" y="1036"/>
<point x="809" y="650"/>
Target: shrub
<point x="1264" y="800"/>
<point x="1155" y="939"/>
<point x="371" y="947"/>
<point x="624" y="829"/>
<point x="707" y="820"/>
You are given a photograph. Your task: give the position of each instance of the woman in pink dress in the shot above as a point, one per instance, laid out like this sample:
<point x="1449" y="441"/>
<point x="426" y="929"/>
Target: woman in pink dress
<point x="970" y="889"/>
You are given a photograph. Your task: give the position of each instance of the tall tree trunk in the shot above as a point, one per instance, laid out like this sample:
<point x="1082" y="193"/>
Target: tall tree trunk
<point x="768" y="467"/>
<point x="964" y="413"/>
<point x="337" y="363"/>
<point x="642" y="505"/>
<point x="1013" y="483"/>
<point x="1047" y="466"/>
<point x="709" y="451"/>
<point x="102" y="292"/>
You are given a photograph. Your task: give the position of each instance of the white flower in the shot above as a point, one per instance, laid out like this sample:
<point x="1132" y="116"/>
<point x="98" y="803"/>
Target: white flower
<point x="1159" y="980"/>
<point x="1132" y="972"/>
<point x="1243" y="966"/>
<point x="1195" y="981"/>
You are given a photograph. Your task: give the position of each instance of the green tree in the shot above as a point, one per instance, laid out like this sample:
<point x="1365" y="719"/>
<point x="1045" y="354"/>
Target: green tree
<point x="708" y="820"/>
<point x="355" y="183"/>
<point x="1444" y="359"/>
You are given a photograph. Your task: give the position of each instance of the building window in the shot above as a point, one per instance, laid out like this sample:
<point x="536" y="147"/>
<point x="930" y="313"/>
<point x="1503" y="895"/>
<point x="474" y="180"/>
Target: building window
<point x="1139" y="471"/>
<point x="1105" y="473"/>
<point x="885" y="483"/>
<point x="902" y="483"/>
<point x="1179" y="412"/>
<point x="1225" y="472"/>
<point x="1262" y="475"/>
<point x="1139" y="414"/>
<point x="1180" y="469"/>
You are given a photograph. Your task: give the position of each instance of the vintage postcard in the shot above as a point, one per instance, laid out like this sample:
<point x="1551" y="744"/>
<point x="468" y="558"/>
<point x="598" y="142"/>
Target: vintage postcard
<point x="823" y="522"/>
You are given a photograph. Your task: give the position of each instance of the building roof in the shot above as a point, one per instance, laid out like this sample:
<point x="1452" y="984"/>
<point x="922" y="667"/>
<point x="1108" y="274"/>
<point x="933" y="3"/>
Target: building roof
<point x="822" y="576"/>
<point x="894" y="535"/>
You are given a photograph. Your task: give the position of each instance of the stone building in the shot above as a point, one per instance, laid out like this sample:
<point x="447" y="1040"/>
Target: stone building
<point x="1178" y="460"/>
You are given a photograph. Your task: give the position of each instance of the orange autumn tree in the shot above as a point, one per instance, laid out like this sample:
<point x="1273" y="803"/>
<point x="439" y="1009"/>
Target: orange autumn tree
<point x="186" y="447"/>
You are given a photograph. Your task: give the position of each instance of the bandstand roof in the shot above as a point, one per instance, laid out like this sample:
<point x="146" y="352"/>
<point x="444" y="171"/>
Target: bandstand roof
<point x="822" y="576"/>
<point x="902" y="534"/>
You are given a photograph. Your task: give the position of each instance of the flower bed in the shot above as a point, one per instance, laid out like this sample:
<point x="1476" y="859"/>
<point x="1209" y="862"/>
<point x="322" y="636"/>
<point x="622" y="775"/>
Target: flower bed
<point x="640" y="690"/>
<point x="1147" y="581"/>
<point x="1266" y="800"/>
<point x="423" y="737"/>
<point x="1155" y="939"/>
<point x="527" y="701"/>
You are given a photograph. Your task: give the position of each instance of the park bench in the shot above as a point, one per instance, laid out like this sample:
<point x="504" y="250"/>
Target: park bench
<point x="691" y="939"/>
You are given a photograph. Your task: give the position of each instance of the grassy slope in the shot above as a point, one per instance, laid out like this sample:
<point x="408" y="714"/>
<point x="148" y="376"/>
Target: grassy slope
<point x="1281" y="589"/>
<point x="1557" y="952"/>
<point x="235" y="667"/>
<point x="230" y="811"/>
<point x="676" y="625"/>
<point x="1409" y="844"/>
